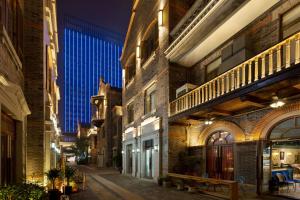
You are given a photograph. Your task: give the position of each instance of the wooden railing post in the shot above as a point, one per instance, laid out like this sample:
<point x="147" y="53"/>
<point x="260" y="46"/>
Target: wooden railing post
<point x="297" y="49"/>
<point x="214" y="89"/>
<point x="223" y="85"/>
<point x="263" y="66"/>
<point x="288" y="54"/>
<point x="232" y="80"/>
<point x="278" y="58"/>
<point x="243" y="74"/>
<point x="206" y="93"/>
<point x="218" y="87"/>
<point x="256" y="70"/>
<point x="227" y="82"/>
<point x="249" y="71"/>
<point x="271" y="62"/>
<point x="238" y="77"/>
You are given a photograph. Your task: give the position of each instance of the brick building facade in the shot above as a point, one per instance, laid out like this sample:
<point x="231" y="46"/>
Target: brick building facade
<point x="226" y="82"/>
<point x="106" y="132"/>
<point x="41" y="91"/>
<point x="13" y="105"/>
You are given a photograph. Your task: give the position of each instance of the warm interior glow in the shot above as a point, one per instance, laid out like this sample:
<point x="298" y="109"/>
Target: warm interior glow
<point x="138" y="52"/>
<point x="160" y="18"/>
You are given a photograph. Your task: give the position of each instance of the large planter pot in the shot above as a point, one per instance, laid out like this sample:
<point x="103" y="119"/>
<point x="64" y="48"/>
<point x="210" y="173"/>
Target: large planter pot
<point x="166" y="184"/>
<point x="54" y="194"/>
<point x="68" y="190"/>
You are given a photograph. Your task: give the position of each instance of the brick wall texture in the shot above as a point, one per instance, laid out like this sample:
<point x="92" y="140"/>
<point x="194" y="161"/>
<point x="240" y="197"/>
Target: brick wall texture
<point x="34" y="69"/>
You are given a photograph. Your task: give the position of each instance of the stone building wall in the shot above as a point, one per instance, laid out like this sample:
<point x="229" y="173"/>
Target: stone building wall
<point x="34" y="70"/>
<point x="156" y="70"/>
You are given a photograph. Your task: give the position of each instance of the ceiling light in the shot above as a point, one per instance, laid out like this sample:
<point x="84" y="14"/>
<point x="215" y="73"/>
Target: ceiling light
<point x="208" y="122"/>
<point x="277" y="104"/>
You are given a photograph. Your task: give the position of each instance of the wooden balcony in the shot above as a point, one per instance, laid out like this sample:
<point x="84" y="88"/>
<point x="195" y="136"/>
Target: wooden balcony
<point x="268" y="64"/>
<point x="99" y="107"/>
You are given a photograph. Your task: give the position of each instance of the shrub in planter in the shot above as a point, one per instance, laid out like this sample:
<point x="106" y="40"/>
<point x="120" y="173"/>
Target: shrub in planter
<point x="69" y="174"/>
<point x="23" y="191"/>
<point x="160" y="180"/>
<point x="166" y="182"/>
<point x="52" y="175"/>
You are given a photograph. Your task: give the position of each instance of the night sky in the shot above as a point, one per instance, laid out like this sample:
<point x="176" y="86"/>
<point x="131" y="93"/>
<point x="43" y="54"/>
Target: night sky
<point x="110" y="14"/>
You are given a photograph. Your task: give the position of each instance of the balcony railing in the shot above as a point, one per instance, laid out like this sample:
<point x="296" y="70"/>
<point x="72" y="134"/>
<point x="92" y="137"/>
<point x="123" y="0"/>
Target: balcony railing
<point x="273" y="60"/>
<point x="198" y="15"/>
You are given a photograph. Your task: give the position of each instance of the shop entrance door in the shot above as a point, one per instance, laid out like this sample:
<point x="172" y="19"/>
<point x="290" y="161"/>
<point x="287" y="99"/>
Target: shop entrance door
<point x="129" y="159"/>
<point x="8" y="134"/>
<point x="219" y="156"/>
<point x="148" y="146"/>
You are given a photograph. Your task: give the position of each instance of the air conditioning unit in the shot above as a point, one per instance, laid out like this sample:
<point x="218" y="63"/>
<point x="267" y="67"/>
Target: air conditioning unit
<point x="184" y="89"/>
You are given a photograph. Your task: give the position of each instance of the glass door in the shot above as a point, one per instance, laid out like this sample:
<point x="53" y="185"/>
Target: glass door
<point x="148" y="166"/>
<point x="129" y="158"/>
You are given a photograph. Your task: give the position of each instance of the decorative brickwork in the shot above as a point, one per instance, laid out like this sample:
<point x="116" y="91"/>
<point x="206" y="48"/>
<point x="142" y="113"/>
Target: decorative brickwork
<point x="230" y="127"/>
<point x="269" y="120"/>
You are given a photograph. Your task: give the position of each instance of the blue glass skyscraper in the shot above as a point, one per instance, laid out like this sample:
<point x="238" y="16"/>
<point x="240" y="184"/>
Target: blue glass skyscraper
<point x="89" y="52"/>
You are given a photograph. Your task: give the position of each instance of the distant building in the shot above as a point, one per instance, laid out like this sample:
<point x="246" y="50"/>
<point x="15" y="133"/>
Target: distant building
<point x="88" y="53"/>
<point x="83" y="129"/>
<point x="107" y="118"/>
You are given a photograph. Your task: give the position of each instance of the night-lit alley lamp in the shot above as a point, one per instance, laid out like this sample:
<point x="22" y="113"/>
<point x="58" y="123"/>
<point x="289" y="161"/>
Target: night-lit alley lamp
<point x="160" y="17"/>
<point x="138" y="51"/>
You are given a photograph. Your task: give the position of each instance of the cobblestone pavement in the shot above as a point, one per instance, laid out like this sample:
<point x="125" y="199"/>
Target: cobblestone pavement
<point x="107" y="184"/>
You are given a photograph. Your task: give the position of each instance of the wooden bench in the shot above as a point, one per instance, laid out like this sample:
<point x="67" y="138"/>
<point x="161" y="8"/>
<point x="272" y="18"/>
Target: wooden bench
<point x="232" y="185"/>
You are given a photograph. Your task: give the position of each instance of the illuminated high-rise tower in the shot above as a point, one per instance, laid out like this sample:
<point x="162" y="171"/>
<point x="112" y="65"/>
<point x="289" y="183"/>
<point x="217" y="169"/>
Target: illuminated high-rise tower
<point x="88" y="53"/>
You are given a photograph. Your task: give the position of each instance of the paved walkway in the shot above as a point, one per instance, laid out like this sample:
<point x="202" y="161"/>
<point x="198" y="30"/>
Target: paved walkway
<point x="107" y="184"/>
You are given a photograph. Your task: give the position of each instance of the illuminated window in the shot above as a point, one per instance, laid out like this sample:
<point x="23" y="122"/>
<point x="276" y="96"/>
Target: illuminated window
<point x="290" y="22"/>
<point x="212" y="68"/>
<point x="149" y="43"/>
<point x="130" y="70"/>
<point x="150" y="99"/>
<point x="130" y="113"/>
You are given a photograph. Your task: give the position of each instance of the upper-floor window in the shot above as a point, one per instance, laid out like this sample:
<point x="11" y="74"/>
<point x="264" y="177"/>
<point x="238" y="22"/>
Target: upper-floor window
<point x="130" y="113"/>
<point x="150" y="99"/>
<point x="150" y="42"/>
<point x="130" y="69"/>
<point x="290" y="22"/>
<point x="178" y="9"/>
<point x="212" y="69"/>
<point x="11" y="16"/>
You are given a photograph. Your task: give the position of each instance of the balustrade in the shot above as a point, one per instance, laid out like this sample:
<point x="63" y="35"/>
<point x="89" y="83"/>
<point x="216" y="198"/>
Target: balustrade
<point x="281" y="56"/>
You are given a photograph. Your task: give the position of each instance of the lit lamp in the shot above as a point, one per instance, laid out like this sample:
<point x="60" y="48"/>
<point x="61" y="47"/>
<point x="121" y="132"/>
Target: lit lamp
<point x="208" y="122"/>
<point x="138" y="52"/>
<point x="160" y="17"/>
<point x="277" y="103"/>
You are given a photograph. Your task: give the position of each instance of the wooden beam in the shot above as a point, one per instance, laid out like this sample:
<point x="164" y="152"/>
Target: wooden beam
<point x="221" y="112"/>
<point x="253" y="101"/>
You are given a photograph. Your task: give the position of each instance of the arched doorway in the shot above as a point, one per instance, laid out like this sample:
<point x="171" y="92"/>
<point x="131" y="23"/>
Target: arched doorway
<point x="282" y="152"/>
<point x="219" y="155"/>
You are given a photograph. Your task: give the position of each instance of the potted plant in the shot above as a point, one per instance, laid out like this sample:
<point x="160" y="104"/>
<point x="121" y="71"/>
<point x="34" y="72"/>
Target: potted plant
<point x="69" y="174"/>
<point x="52" y="175"/>
<point x="166" y="182"/>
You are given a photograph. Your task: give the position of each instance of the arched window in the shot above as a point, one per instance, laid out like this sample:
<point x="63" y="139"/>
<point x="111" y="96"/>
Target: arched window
<point x="288" y="129"/>
<point x="130" y="69"/>
<point x="149" y="42"/>
<point x="220" y="137"/>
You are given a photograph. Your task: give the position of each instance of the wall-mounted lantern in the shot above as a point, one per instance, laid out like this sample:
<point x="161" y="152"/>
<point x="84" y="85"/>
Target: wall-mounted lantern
<point x="160" y="18"/>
